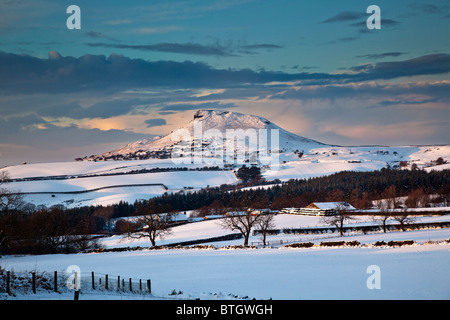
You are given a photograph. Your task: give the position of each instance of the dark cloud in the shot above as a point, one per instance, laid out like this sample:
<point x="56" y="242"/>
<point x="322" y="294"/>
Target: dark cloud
<point x="347" y="39"/>
<point x="359" y="20"/>
<point x="93" y="34"/>
<point x="73" y="109"/>
<point x="98" y="35"/>
<point x="297" y="67"/>
<point x="387" y="103"/>
<point x="381" y="55"/>
<point x="187" y="106"/>
<point x="27" y="74"/>
<point x="254" y="48"/>
<point x="217" y="50"/>
<point x="105" y="109"/>
<point x="388" y="94"/>
<point x="21" y="74"/>
<point x="425" y="65"/>
<point x="155" y="122"/>
<point x="345" y="16"/>
<point x="385" y="23"/>
<point x="183" y="48"/>
<point x="261" y="46"/>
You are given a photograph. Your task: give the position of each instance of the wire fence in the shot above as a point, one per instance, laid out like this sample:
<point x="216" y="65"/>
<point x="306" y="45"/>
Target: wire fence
<point x="13" y="283"/>
<point x="101" y="281"/>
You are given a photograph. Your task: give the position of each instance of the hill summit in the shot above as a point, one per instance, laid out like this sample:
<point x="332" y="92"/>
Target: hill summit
<point x="214" y="129"/>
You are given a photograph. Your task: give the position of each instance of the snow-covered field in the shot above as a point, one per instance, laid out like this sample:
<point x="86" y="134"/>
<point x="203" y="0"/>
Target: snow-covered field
<point x="315" y="162"/>
<point x="211" y="228"/>
<point x="419" y="271"/>
<point x="413" y="272"/>
<point x="85" y="190"/>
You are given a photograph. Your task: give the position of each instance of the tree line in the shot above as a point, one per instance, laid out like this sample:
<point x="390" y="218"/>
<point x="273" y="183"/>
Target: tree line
<point x="358" y="188"/>
<point x="62" y="230"/>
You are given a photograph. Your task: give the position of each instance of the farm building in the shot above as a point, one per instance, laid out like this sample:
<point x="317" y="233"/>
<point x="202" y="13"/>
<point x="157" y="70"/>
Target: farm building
<point x="320" y="208"/>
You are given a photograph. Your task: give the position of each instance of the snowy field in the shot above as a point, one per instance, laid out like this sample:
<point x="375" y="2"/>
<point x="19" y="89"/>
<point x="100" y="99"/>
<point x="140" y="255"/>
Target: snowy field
<point x="314" y="163"/>
<point x="412" y="272"/>
<point x="211" y="228"/>
<point x="108" y="190"/>
<point x="418" y="271"/>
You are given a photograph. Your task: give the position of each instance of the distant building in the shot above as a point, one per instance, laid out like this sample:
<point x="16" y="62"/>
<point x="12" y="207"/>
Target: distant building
<point x="320" y="209"/>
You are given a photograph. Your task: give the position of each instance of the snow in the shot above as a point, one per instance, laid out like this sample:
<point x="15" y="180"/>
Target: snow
<point x="221" y="121"/>
<point x="104" y="190"/>
<point x="418" y="271"/>
<point x="212" y="228"/>
<point x="316" y="162"/>
<point x="412" y="272"/>
<point x="333" y="205"/>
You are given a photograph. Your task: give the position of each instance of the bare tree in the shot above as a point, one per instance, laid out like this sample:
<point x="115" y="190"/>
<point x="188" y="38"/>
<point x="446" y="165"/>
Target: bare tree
<point x="403" y="218"/>
<point x="8" y="199"/>
<point x="338" y="220"/>
<point x="383" y="217"/>
<point x="154" y="225"/>
<point x="242" y="220"/>
<point x="384" y="214"/>
<point x="265" y="223"/>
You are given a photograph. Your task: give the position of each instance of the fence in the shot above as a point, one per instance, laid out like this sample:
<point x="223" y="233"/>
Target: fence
<point x="12" y="282"/>
<point x="363" y="229"/>
<point x="99" y="281"/>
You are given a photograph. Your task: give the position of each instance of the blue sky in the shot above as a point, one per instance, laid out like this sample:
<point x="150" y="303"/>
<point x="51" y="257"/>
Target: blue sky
<point x="141" y="68"/>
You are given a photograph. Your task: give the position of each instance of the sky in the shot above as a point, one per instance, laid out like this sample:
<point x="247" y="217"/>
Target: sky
<point x="137" y="69"/>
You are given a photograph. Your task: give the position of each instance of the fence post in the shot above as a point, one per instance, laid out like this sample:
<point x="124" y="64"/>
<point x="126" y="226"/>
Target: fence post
<point x="149" y="286"/>
<point x="55" y="281"/>
<point x="93" y="282"/>
<point x="8" y="282"/>
<point x="106" y="282"/>
<point x="33" y="281"/>
<point x="118" y="283"/>
<point x="140" y="284"/>
<point x="76" y="293"/>
<point x="131" y="289"/>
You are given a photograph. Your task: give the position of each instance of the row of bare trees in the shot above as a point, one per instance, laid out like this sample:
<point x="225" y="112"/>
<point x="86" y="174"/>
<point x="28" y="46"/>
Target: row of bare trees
<point x="152" y="225"/>
<point x="342" y="216"/>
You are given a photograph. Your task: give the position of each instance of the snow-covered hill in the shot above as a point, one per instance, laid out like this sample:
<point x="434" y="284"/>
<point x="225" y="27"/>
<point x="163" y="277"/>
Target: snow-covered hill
<point x="214" y="128"/>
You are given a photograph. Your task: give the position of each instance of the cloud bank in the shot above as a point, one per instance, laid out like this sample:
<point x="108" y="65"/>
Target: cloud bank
<point x="69" y="102"/>
<point x="27" y="74"/>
